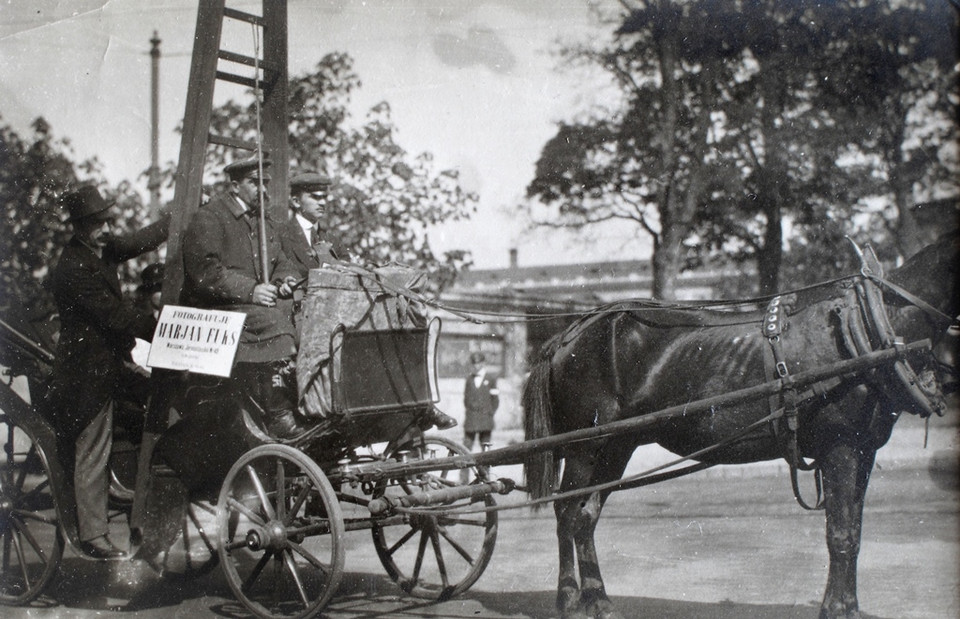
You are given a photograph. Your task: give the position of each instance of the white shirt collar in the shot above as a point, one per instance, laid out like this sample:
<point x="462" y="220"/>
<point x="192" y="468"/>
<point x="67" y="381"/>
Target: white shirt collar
<point x="306" y="225"/>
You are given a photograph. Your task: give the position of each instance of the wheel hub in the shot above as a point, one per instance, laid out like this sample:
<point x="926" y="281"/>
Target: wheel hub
<point x="271" y="536"/>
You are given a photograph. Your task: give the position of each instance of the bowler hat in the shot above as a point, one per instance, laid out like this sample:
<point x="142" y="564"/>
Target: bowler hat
<point x="309" y="181"/>
<point x="247" y="168"/>
<point x="85" y="202"/>
<point x="151" y="278"/>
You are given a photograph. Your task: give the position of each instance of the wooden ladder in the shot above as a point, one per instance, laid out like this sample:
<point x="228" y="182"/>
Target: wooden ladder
<point x="205" y="72"/>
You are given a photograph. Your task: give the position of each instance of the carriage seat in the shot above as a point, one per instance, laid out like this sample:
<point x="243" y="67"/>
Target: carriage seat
<point x="384" y="381"/>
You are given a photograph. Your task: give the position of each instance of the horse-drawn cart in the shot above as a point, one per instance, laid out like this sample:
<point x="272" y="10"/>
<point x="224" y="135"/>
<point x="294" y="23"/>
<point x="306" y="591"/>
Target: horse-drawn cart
<point x="221" y="490"/>
<point x="271" y="512"/>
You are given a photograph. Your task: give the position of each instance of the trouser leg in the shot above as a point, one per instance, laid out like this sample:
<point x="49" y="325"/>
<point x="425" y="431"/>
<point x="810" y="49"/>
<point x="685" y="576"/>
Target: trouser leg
<point x="274" y="389"/>
<point x="91" y="477"/>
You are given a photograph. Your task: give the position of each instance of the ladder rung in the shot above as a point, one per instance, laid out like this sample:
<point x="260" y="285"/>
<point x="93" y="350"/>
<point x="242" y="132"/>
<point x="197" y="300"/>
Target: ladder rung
<point x="250" y="18"/>
<point x="239" y="79"/>
<point x="246" y="60"/>
<point x="231" y="142"/>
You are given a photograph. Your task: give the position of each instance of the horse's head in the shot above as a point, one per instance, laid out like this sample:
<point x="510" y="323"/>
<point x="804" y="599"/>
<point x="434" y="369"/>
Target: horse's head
<point x="931" y="275"/>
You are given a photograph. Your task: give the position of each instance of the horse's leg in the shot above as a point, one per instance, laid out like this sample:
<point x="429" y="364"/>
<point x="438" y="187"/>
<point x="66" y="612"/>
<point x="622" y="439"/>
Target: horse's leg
<point x="568" y="587"/>
<point x="593" y="595"/>
<point x="846" y="471"/>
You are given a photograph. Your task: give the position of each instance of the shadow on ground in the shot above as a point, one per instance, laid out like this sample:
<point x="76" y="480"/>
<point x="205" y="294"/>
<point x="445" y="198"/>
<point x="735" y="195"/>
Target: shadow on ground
<point x="126" y="587"/>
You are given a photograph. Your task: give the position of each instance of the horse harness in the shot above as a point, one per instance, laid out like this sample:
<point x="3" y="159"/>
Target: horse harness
<point x="864" y="327"/>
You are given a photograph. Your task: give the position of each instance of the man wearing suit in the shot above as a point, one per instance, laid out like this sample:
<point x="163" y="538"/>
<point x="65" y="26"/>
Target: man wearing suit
<point x="308" y="243"/>
<point x="97" y="331"/>
<point x="481" y="397"/>
<point x="304" y="236"/>
<point x="222" y="268"/>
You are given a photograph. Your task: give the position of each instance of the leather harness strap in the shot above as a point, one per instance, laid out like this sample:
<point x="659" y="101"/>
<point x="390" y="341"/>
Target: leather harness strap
<point x="787" y="399"/>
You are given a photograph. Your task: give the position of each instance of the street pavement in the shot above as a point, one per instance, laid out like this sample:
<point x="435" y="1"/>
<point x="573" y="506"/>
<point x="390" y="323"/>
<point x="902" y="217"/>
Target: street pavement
<point x="725" y="543"/>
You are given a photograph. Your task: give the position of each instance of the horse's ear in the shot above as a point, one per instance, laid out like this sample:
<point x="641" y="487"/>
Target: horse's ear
<point x="870" y="261"/>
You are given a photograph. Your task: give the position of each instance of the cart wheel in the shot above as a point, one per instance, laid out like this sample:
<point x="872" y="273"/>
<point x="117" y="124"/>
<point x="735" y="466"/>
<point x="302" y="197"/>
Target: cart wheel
<point x="29" y="527"/>
<point x="193" y="552"/>
<point x="443" y="553"/>
<point x="280" y="531"/>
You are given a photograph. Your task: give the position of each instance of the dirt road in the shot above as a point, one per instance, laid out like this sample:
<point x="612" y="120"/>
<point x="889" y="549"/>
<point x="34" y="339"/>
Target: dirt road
<point x="701" y="547"/>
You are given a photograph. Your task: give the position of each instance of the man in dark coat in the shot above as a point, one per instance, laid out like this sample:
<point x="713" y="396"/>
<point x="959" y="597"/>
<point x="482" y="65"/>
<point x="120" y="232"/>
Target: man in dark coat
<point x="222" y="267"/>
<point x="481" y="397"/>
<point x="97" y="331"/>
<point x="305" y="236"/>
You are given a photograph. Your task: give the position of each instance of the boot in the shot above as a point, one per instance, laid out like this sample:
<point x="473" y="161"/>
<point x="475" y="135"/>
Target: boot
<point x="434" y="417"/>
<point x="283" y="424"/>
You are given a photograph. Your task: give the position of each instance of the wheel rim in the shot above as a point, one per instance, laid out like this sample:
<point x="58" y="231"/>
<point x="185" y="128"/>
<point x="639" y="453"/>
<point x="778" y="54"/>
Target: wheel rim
<point x="280" y="531"/>
<point x="193" y="552"/>
<point x="437" y="555"/>
<point x="31" y="544"/>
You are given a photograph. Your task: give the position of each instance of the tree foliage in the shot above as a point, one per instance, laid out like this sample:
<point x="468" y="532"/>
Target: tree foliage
<point x="35" y="171"/>
<point x="760" y="130"/>
<point x="385" y="198"/>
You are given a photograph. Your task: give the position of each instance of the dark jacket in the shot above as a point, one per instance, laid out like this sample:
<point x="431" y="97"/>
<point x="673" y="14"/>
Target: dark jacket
<point x="480" y="403"/>
<point x="221" y="259"/>
<point x="97" y="328"/>
<point x="326" y="248"/>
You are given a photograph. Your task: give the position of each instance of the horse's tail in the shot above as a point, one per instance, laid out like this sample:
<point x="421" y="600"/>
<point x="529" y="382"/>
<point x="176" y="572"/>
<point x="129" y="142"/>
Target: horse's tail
<point x="540" y="469"/>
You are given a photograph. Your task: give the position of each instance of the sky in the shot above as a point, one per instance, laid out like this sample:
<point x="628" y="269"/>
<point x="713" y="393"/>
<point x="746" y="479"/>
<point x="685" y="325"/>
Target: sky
<point x="476" y="83"/>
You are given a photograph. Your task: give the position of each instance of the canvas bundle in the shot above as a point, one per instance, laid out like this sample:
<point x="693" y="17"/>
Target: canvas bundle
<point x="380" y="298"/>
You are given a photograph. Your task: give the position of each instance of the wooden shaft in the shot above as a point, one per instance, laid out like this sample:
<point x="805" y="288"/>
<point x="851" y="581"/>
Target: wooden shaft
<point x="513" y="454"/>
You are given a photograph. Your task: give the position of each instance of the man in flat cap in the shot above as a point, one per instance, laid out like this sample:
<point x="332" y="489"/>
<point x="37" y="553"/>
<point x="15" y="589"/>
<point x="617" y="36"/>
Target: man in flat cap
<point x="305" y="236"/>
<point x="222" y="268"/>
<point x="97" y="331"/>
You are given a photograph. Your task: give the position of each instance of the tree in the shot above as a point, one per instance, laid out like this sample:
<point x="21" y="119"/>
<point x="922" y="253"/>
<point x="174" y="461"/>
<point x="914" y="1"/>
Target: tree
<point x="728" y="132"/>
<point x="648" y="162"/>
<point x="895" y="94"/>
<point x="385" y="198"/>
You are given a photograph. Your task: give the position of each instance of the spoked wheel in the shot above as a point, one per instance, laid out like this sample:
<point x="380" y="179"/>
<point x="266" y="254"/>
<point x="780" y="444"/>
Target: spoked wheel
<point x="437" y="554"/>
<point x="29" y="527"/>
<point x="280" y="531"/>
<point x="193" y="551"/>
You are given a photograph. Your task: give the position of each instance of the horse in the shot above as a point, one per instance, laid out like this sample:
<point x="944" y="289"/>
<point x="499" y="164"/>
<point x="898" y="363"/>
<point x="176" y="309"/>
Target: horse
<point x="629" y="359"/>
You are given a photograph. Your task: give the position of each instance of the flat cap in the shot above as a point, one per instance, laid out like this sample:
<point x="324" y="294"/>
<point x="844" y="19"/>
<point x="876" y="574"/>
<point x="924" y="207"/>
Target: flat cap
<point x="309" y="181"/>
<point x="247" y="168"/>
<point x="86" y="202"/>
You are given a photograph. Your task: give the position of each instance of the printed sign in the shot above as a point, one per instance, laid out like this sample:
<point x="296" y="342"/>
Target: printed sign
<point x="197" y="340"/>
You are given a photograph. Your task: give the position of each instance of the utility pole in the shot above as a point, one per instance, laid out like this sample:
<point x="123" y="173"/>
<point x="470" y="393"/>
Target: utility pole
<point x="153" y="182"/>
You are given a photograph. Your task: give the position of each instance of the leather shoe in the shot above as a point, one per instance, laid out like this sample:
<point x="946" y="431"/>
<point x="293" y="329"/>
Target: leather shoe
<point x="284" y="425"/>
<point x="439" y="419"/>
<point x="101" y="548"/>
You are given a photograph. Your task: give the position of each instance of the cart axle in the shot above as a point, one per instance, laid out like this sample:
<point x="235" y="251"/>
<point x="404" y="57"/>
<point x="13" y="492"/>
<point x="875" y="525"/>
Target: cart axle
<point x="439" y="497"/>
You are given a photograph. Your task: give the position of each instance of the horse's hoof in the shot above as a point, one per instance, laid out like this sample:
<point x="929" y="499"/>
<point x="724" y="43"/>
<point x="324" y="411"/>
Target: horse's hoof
<point x="827" y="614"/>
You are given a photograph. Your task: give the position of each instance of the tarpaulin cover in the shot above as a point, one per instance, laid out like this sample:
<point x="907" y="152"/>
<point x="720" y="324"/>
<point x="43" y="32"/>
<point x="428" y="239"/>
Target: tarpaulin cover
<point x="380" y="298"/>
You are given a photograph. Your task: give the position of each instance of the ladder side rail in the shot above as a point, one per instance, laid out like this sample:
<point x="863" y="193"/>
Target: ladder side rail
<point x="193" y="147"/>
<point x="275" y="121"/>
<point x="186" y="201"/>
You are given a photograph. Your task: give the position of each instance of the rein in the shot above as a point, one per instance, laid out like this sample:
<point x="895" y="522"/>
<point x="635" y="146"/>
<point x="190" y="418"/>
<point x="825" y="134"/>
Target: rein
<point x="644" y="478"/>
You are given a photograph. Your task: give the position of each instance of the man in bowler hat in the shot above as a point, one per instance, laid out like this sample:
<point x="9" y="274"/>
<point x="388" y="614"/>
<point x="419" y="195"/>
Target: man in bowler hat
<point x="222" y="267"/>
<point x="305" y="236"/>
<point x="97" y="330"/>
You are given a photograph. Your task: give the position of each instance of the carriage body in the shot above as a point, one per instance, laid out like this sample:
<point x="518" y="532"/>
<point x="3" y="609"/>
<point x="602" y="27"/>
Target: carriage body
<point x="215" y="481"/>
